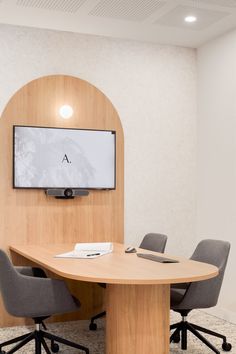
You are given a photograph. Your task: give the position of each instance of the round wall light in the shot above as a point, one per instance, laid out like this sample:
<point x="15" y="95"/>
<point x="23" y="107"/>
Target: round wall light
<point x="190" y="19"/>
<point x="66" y="111"/>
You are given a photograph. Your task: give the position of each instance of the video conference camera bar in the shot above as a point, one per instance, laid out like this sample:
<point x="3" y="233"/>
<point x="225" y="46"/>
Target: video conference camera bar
<point x="67" y="193"/>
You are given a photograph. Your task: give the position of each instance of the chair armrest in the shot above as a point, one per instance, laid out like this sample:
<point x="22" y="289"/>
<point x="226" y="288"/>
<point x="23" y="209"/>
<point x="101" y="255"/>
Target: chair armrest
<point x="39" y="297"/>
<point x="31" y="271"/>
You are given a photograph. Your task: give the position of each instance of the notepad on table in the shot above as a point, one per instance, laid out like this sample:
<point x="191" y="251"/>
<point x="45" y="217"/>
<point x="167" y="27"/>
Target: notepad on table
<point x="88" y="250"/>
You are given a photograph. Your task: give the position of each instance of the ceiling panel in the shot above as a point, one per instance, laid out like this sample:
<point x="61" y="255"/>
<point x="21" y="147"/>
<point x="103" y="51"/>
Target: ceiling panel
<point x="223" y="3"/>
<point x="205" y="18"/>
<point x="56" y="5"/>
<point x="156" y="21"/>
<point x="133" y="10"/>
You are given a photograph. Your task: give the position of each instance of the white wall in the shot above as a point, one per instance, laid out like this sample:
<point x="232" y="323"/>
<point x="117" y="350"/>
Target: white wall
<point x="153" y="87"/>
<point x="216" y="204"/>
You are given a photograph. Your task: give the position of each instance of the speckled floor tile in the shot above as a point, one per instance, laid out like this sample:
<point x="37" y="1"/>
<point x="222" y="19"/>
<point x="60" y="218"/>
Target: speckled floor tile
<point x="94" y="340"/>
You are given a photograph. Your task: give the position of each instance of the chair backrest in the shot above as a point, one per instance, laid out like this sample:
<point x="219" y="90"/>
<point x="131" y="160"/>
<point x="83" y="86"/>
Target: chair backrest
<point x="9" y="280"/>
<point x="205" y="293"/>
<point x="154" y="242"/>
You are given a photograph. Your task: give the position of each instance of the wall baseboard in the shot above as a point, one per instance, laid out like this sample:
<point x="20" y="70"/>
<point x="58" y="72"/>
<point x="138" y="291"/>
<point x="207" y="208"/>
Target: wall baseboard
<point x="222" y="313"/>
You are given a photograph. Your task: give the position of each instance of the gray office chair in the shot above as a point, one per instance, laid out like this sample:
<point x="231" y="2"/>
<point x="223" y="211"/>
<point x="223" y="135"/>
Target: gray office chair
<point x="152" y="242"/>
<point x="198" y="295"/>
<point x="26" y="294"/>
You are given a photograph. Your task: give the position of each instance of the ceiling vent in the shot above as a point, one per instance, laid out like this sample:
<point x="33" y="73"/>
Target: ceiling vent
<point x="71" y="6"/>
<point x="132" y="10"/>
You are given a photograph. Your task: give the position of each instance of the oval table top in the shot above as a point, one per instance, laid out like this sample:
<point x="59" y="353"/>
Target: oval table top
<point x="117" y="267"/>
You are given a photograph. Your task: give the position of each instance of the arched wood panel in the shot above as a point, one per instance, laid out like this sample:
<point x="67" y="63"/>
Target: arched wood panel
<point x="29" y="216"/>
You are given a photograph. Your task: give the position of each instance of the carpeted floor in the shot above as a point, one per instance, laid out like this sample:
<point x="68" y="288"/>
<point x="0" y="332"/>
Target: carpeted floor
<point x="78" y="332"/>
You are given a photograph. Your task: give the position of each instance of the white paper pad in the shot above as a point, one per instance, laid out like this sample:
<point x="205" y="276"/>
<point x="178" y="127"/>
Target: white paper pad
<point x="88" y="250"/>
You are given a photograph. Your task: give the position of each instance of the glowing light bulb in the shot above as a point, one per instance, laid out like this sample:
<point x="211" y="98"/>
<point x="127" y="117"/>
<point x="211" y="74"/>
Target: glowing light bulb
<point x="66" y="111"/>
<point x="190" y="19"/>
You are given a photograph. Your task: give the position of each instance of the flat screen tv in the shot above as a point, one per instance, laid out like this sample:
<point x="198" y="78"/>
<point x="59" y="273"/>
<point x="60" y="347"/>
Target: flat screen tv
<point x="63" y="158"/>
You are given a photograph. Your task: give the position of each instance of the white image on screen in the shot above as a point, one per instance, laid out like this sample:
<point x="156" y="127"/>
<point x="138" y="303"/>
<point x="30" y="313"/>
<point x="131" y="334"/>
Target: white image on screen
<point x="54" y="158"/>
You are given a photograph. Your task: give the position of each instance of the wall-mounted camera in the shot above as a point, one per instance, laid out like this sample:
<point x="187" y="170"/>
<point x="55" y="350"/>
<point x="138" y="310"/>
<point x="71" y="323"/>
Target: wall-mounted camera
<point x="66" y="193"/>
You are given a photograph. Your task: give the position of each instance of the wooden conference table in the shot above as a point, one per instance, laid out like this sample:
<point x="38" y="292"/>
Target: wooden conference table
<point x="138" y="291"/>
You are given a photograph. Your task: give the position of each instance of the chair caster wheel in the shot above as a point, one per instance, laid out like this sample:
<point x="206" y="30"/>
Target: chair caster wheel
<point x="54" y="348"/>
<point x="93" y="326"/>
<point x="226" y="347"/>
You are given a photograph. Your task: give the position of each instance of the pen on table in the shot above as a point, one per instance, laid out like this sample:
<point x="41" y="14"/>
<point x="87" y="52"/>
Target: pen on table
<point x="93" y="254"/>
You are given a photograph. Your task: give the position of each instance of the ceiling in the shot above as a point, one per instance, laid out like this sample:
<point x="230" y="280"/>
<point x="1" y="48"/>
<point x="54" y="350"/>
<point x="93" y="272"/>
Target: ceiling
<point x="158" y="21"/>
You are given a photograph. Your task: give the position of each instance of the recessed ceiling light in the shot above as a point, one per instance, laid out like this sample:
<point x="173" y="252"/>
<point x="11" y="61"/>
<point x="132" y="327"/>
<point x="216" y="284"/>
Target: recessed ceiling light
<point x="190" y="19"/>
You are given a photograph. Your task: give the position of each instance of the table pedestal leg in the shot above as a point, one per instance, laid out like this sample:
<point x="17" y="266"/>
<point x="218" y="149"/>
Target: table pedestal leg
<point x="137" y="319"/>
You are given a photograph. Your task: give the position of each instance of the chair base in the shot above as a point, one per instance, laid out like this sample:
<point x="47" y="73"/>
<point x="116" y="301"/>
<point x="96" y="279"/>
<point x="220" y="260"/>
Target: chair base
<point x="184" y="326"/>
<point x="93" y="325"/>
<point x="39" y="337"/>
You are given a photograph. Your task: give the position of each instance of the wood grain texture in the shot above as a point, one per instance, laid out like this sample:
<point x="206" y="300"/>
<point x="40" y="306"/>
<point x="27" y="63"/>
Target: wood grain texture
<point x="31" y="217"/>
<point x="117" y="267"/>
<point x="137" y="319"/>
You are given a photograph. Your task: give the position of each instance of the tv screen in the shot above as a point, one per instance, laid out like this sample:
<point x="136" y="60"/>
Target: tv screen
<point x="63" y="158"/>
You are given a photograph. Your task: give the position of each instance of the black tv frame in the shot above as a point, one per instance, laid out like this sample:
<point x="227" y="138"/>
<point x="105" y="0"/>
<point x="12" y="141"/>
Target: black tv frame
<point x="77" y="188"/>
